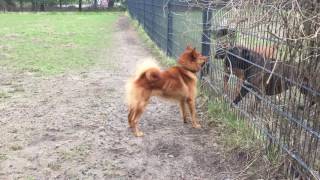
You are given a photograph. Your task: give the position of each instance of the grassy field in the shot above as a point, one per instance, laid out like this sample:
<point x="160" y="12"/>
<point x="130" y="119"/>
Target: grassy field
<point x="51" y="43"/>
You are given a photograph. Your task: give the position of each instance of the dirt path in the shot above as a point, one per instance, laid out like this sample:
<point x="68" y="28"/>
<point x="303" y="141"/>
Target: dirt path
<point x="74" y="126"/>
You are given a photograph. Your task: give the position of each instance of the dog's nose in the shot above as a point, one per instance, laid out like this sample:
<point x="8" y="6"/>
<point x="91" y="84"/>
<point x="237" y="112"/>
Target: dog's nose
<point x="204" y="62"/>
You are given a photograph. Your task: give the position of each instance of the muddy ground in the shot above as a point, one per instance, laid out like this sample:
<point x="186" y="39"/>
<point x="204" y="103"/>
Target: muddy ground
<point x="74" y="126"/>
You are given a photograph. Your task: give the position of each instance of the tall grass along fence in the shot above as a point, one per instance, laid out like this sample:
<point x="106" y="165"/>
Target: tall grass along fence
<point x="264" y="61"/>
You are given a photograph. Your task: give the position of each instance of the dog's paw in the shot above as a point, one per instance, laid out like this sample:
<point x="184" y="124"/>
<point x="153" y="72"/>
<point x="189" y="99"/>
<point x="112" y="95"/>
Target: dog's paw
<point x="138" y="133"/>
<point x="197" y="126"/>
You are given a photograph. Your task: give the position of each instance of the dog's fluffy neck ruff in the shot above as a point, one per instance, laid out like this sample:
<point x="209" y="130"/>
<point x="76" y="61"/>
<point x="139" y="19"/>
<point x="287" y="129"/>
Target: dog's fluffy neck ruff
<point x="190" y="70"/>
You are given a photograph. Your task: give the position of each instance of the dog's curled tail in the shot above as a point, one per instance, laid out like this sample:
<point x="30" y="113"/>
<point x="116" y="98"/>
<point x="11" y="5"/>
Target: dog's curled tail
<point x="152" y="74"/>
<point x="147" y="66"/>
<point x="151" y="71"/>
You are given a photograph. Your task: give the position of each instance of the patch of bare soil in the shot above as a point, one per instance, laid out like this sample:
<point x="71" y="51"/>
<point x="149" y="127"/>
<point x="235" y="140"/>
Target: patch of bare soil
<point x="74" y="126"/>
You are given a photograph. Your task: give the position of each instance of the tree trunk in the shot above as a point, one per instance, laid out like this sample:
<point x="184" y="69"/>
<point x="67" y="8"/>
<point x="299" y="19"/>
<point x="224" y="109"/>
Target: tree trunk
<point x="110" y="3"/>
<point x="95" y="4"/>
<point x="21" y="5"/>
<point x="80" y="5"/>
<point x="60" y="3"/>
<point x="42" y="6"/>
<point x="33" y="5"/>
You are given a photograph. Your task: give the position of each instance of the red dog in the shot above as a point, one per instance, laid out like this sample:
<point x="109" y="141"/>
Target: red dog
<point x="177" y="83"/>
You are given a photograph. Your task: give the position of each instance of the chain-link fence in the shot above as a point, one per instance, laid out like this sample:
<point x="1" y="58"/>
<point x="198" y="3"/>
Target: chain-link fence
<point x="264" y="60"/>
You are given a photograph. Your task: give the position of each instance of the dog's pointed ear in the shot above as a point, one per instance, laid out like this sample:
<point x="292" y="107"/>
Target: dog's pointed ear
<point x="194" y="53"/>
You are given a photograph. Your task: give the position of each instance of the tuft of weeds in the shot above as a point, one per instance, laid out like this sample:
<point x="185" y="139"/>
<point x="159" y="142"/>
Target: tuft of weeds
<point x="77" y="152"/>
<point x="54" y="166"/>
<point x="30" y="178"/>
<point x="18" y="88"/>
<point x="16" y="147"/>
<point x="273" y="154"/>
<point x="3" y="157"/>
<point x="4" y="95"/>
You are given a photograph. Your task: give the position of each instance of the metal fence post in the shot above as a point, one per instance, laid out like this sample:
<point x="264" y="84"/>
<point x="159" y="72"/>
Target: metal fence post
<point x="152" y="20"/>
<point x="206" y="37"/>
<point x="144" y="14"/>
<point x="169" y="29"/>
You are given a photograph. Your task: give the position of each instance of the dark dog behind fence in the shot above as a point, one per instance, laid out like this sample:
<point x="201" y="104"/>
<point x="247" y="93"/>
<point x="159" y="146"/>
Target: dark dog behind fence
<point x="173" y="24"/>
<point x="260" y="73"/>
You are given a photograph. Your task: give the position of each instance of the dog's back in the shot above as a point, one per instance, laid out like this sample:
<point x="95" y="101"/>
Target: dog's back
<point x="242" y="58"/>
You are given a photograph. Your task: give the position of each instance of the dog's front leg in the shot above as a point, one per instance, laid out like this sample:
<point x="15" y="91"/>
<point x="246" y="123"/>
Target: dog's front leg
<point x="192" y="107"/>
<point x="226" y="79"/>
<point x="183" y="110"/>
<point x="240" y="79"/>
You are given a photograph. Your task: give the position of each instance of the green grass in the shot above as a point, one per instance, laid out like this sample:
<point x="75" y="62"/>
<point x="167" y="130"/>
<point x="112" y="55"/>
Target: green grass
<point x="3" y="157"/>
<point x="4" y="95"/>
<point x="51" y="43"/>
<point x="78" y="152"/>
<point x="239" y="135"/>
<point x="30" y="178"/>
<point x="241" y="140"/>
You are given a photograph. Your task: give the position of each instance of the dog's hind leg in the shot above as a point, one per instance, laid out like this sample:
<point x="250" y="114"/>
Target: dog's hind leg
<point x="192" y="108"/>
<point x="136" y="114"/>
<point x="131" y="116"/>
<point x="183" y="110"/>
<point x="134" y="124"/>
<point x="133" y="110"/>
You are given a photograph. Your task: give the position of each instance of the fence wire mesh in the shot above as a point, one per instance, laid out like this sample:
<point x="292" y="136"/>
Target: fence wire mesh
<point x="264" y="60"/>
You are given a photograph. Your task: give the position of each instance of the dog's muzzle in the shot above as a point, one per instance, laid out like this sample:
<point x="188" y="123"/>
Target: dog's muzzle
<point x="220" y="53"/>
